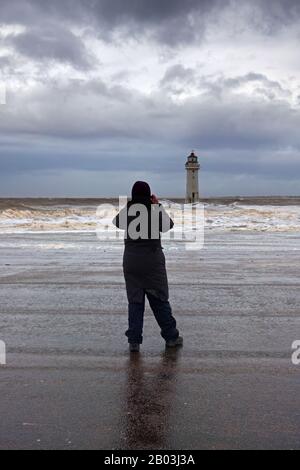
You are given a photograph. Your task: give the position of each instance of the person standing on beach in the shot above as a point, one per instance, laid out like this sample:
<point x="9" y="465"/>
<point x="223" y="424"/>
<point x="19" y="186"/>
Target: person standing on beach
<point x="144" y="266"/>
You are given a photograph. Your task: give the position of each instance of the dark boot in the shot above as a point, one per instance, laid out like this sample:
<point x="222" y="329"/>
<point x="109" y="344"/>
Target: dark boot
<point x="174" y="343"/>
<point x="134" y="347"/>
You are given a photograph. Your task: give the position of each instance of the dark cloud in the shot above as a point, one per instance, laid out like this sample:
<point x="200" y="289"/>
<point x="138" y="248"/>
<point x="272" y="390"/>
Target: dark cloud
<point x="98" y="124"/>
<point x="52" y="42"/>
<point x="92" y="108"/>
<point x="169" y="21"/>
<point x="166" y="160"/>
<point x="87" y="125"/>
<point x="243" y="124"/>
<point x="271" y="16"/>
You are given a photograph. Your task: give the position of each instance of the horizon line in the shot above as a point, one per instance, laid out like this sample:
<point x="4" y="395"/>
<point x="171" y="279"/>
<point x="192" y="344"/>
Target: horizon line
<point x="160" y="197"/>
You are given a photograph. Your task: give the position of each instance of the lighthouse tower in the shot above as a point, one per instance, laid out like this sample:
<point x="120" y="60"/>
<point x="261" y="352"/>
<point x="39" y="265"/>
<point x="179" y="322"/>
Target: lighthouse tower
<point x="192" y="180"/>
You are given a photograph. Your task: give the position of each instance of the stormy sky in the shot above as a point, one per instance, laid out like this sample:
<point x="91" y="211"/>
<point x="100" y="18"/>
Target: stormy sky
<point x="96" y="94"/>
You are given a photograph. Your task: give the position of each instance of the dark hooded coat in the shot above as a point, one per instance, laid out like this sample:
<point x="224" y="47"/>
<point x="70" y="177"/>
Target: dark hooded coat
<point x="144" y="263"/>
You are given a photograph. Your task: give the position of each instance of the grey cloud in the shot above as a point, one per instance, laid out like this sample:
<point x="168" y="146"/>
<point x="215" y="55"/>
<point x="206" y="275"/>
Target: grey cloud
<point x="77" y="109"/>
<point x="275" y="14"/>
<point x="171" y="22"/>
<point x="178" y="78"/>
<point x="178" y="72"/>
<point x="143" y="10"/>
<point x="243" y="124"/>
<point x="268" y="164"/>
<point x="165" y="160"/>
<point x="256" y="77"/>
<point x="87" y="108"/>
<point x="5" y="61"/>
<point x="52" y="42"/>
<point x="90" y="125"/>
<point x="218" y="85"/>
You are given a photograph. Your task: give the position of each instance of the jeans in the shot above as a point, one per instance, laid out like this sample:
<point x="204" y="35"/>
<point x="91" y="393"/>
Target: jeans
<point x="163" y="315"/>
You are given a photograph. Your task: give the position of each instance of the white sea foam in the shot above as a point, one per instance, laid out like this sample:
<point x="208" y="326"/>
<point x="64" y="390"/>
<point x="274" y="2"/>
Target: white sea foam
<point x="237" y="217"/>
<point x="83" y="218"/>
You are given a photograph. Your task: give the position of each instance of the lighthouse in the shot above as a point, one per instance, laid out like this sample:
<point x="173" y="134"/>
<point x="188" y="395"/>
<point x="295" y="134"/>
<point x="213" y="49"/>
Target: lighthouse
<point x="192" y="179"/>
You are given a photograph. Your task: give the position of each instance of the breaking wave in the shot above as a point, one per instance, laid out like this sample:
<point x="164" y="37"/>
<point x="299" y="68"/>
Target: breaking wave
<point x="16" y="217"/>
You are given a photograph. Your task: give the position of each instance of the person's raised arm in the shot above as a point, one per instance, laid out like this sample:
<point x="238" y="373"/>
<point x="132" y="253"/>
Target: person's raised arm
<point x="165" y="222"/>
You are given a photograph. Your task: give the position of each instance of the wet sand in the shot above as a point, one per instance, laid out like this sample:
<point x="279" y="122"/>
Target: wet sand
<point x="69" y="382"/>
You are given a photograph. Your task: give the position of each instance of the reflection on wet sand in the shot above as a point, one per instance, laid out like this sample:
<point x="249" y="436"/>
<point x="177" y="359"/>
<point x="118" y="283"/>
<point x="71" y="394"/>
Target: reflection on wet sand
<point x="149" y="399"/>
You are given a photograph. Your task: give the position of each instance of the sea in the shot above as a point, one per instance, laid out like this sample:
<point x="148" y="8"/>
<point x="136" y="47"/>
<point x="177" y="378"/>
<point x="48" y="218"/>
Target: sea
<point x="258" y="214"/>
